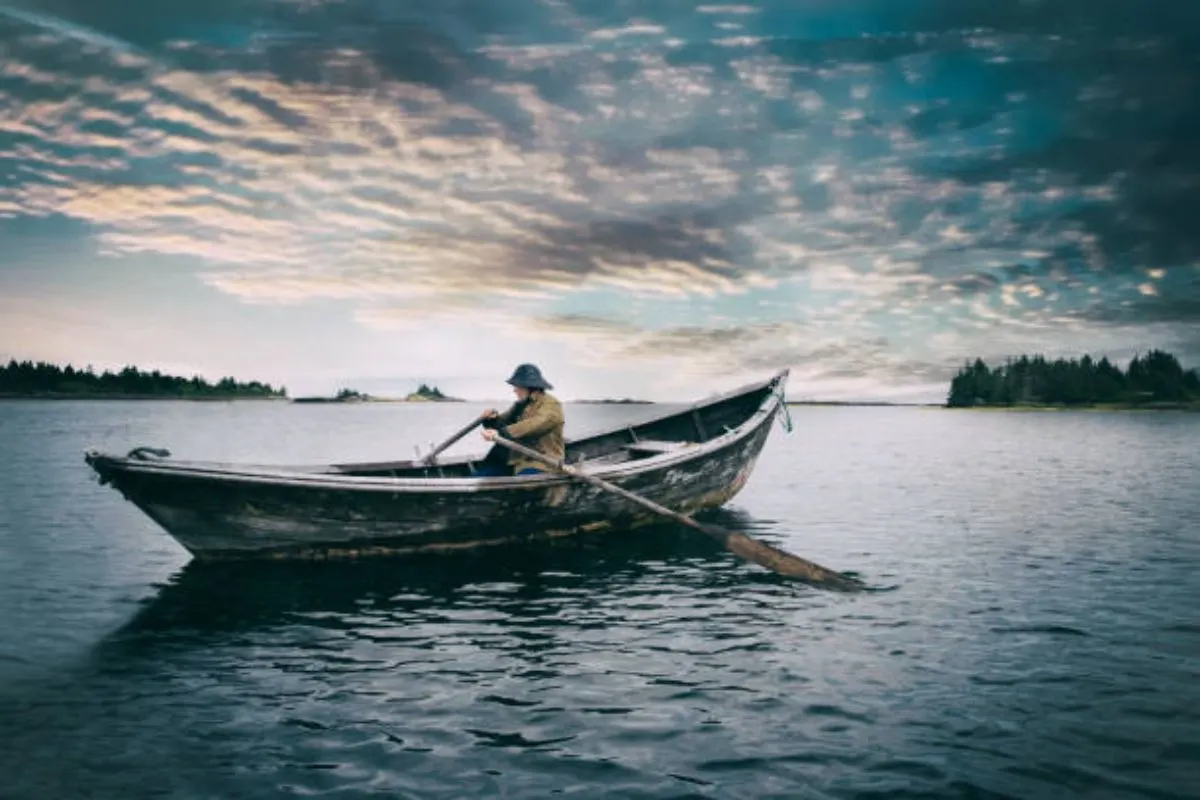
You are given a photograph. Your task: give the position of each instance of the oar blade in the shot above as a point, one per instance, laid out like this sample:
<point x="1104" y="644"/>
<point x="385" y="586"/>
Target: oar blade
<point x="788" y="564"/>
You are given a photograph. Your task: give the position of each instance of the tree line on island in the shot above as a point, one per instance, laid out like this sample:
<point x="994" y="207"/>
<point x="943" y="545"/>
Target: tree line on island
<point x="1154" y="378"/>
<point x="29" y="379"/>
<point x="42" y="379"/>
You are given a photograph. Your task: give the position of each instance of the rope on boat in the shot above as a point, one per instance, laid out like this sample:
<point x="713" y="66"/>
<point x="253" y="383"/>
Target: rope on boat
<point x="141" y="453"/>
<point x="786" y="419"/>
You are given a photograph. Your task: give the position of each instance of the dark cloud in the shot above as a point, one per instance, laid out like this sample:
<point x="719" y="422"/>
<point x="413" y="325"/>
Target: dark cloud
<point x="1065" y="18"/>
<point x="816" y="53"/>
<point x="231" y="23"/>
<point x="1131" y="122"/>
<point x="1182" y="307"/>
<point x="418" y="53"/>
<point x="280" y="114"/>
<point x="695" y="236"/>
<point x="942" y="120"/>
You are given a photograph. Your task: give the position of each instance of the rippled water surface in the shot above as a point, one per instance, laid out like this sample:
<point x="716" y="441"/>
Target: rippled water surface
<point x="1038" y="634"/>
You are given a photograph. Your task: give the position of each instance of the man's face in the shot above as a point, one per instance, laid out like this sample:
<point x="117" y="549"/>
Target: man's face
<point x="521" y="392"/>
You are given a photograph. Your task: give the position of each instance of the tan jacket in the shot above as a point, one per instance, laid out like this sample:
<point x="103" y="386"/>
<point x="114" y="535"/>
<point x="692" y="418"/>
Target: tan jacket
<point x="539" y="426"/>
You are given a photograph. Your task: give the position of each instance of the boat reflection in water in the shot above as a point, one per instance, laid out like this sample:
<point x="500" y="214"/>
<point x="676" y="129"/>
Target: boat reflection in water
<point x="213" y="599"/>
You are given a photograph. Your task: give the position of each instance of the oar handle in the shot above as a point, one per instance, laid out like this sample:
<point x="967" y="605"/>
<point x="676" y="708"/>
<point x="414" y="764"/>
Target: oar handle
<point x="535" y="455"/>
<point x="428" y="459"/>
<point x="741" y="545"/>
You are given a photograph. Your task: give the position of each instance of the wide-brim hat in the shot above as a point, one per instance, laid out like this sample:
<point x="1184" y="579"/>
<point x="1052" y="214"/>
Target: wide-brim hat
<point x="529" y="377"/>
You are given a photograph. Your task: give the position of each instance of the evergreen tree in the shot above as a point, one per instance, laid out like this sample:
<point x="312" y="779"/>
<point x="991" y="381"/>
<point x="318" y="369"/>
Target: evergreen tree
<point x="1157" y="376"/>
<point x="26" y="377"/>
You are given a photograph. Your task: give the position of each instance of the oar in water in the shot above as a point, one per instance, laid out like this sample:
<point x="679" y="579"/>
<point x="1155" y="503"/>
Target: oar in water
<point x="761" y="553"/>
<point x="429" y="457"/>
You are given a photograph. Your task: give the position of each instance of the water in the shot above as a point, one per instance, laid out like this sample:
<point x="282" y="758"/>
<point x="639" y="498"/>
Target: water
<point x="1038" y="637"/>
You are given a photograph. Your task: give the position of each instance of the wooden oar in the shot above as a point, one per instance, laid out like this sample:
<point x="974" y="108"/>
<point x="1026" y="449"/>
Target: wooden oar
<point x="761" y="553"/>
<point x="428" y="458"/>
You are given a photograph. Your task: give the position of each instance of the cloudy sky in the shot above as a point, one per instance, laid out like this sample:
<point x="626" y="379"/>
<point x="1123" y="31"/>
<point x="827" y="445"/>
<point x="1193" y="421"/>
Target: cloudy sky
<point x="659" y="199"/>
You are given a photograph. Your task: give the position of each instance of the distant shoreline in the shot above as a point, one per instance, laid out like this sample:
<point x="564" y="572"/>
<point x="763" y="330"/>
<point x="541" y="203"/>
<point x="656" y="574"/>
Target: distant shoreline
<point x="423" y="394"/>
<point x="614" y="402"/>
<point x="217" y="398"/>
<point x="360" y="400"/>
<point x="59" y="396"/>
<point x="883" y="403"/>
<point x="120" y="396"/>
<point x="1150" y="406"/>
<point x="425" y="399"/>
<point x="26" y="380"/>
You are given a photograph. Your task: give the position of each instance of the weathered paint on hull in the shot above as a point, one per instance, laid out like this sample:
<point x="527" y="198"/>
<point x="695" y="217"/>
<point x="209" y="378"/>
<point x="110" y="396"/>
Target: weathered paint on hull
<point x="216" y="519"/>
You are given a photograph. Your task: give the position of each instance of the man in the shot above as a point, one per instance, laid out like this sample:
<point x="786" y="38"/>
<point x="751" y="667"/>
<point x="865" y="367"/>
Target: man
<point x="534" y="420"/>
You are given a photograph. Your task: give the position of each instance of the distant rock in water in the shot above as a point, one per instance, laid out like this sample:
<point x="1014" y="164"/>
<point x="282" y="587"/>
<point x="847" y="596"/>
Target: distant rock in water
<point x="423" y="394"/>
<point x="430" y="394"/>
<point x="343" y="396"/>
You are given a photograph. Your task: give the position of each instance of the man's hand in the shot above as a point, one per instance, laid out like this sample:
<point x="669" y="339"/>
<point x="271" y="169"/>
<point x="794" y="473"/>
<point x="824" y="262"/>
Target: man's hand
<point x="491" y="413"/>
<point x="489" y="434"/>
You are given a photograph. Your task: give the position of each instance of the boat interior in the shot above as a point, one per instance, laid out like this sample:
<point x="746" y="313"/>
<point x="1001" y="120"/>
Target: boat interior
<point x="673" y="430"/>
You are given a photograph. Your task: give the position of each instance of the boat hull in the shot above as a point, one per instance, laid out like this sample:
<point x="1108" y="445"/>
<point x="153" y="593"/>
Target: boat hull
<point x="221" y="517"/>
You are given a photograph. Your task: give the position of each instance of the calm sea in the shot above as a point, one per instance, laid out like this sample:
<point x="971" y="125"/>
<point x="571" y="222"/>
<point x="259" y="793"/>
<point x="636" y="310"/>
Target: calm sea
<point x="1038" y="635"/>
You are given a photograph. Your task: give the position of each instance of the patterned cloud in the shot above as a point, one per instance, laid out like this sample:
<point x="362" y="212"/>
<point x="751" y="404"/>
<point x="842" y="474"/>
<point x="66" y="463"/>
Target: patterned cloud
<point x="860" y="192"/>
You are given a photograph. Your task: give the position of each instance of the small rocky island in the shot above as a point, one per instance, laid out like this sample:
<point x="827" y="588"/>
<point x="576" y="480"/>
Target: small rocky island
<point x="423" y="394"/>
<point x="343" y="396"/>
<point x="430" y="394"/>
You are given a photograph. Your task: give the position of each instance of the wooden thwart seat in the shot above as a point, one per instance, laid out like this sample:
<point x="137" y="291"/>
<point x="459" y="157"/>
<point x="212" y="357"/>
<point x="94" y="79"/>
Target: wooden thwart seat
<point x="654" y="447"/>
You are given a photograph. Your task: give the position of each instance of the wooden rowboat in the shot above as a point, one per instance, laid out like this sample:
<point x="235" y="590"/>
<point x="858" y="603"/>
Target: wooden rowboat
<point x="686" y="460"/>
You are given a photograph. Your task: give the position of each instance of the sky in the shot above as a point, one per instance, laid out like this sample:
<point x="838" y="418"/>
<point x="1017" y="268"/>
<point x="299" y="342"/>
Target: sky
<point x="648" y="199"/>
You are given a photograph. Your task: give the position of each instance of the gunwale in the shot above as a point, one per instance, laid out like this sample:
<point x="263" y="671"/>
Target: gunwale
<point x="335" y="477"/>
